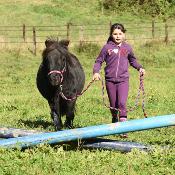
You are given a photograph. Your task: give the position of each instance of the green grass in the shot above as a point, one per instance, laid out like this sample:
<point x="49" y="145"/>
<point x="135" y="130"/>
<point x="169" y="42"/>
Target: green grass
<point x="82" y="14"/>
<point x="56" y="12"/>
<point x="21" y="105"/>
<point x="46" y="160"/>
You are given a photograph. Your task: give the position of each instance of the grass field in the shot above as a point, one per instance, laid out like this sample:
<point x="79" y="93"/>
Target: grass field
<point x="21" y="105"/>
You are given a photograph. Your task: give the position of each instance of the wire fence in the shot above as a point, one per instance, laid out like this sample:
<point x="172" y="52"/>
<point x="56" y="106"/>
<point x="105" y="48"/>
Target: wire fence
<point x="76" y="33"/>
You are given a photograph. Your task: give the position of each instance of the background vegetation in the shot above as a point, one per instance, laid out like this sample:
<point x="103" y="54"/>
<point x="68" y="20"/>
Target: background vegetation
<point x="155" y="8"/>
<point x="22" y="106"/>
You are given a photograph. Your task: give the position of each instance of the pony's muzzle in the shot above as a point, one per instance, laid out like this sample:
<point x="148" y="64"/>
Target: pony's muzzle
<point x="55" y="79"/>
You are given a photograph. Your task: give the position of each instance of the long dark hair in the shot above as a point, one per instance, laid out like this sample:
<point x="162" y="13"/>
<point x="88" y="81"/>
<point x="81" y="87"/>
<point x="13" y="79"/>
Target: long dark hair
<point x="113" y="27"/>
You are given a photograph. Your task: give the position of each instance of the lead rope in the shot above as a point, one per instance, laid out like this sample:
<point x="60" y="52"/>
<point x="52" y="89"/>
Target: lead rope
<point x="143" y="95"/>
<point x="141" y="88"/>
<point x="73" y="98"/>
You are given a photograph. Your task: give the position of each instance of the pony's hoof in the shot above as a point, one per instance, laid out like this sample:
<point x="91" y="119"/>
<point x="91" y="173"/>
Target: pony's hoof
<point x="68" y="124"/>
<point x="58" y="128"/>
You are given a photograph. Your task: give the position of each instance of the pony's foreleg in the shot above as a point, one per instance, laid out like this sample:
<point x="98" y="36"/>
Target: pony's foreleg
<point x="70" y="115"/>
<point x="55" y="114"/>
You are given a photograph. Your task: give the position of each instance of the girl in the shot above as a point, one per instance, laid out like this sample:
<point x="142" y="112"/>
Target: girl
<point x="117" y="54"/>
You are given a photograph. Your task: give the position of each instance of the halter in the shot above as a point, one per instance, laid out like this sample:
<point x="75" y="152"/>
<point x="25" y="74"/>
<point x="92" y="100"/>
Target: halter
<point x="58" y="72"/>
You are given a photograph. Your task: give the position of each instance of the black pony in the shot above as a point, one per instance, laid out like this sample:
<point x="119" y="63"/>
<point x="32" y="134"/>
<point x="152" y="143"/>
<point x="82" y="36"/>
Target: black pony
<point x="60" y="72"/>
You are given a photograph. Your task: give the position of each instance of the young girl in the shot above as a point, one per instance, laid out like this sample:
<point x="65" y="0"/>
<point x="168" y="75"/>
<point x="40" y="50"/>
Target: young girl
<point x="117" y="54"/>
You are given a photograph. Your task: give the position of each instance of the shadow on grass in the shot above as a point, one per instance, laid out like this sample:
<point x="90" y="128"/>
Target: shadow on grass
<point x="101" y="144"/>
<point x="36" y="123"/>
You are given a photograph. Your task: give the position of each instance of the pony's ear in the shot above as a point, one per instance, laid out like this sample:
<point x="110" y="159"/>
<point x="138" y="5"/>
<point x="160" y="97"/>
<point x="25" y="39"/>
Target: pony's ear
<point x="49" y="42"/>
<point x="64" y="43"/>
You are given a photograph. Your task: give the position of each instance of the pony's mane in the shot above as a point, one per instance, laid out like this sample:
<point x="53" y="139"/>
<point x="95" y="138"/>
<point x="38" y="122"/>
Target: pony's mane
<point x="61" y="46"/>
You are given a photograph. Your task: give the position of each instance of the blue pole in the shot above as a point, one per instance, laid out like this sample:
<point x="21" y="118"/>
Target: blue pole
<point x="90" y="132"/>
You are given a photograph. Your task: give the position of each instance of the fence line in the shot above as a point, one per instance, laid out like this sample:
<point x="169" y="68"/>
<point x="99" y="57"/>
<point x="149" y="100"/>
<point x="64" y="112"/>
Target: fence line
<point x="77" y="33"/>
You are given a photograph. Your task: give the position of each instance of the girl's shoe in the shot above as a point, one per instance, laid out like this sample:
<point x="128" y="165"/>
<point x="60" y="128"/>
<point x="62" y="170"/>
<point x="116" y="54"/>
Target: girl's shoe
<point x="123" y="119"/>
<point x="125" y="135"/>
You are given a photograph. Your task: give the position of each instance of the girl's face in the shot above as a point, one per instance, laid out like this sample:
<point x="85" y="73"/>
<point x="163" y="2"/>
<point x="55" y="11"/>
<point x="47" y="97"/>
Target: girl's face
<point x="118" y="36"/>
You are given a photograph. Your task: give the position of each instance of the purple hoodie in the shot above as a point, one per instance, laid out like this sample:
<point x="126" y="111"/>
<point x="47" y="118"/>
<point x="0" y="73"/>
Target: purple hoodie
<point x="117" y="60"/>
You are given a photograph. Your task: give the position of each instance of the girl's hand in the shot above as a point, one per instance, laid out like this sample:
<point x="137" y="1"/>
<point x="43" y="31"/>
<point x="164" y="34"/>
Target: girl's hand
<point x="142" y="71"/>
<point x="96" y="76"/>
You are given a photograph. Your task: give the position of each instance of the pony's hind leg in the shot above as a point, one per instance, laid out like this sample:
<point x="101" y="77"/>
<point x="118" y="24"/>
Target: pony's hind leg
<point x="55" y="117"/>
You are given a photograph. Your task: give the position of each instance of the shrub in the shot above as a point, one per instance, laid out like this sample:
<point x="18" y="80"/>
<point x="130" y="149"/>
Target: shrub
<point x="90" y="49"/>
<point x="153" y="8"/>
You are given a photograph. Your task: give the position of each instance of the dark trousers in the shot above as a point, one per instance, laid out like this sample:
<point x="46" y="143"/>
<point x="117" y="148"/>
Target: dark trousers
<point x="118" y="94"/>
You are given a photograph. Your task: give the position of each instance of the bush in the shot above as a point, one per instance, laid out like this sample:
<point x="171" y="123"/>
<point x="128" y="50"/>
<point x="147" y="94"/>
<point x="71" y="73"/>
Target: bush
<point x="90" y="49"/>
<point x="154" y="8"/>
<point x="119" y="5"/>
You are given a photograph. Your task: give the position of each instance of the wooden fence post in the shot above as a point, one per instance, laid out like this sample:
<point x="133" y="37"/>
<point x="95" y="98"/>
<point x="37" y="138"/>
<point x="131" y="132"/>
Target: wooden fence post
<point x="68" y="31"/>
<point x="153" y="29"/>
<point x="81" y="36"/>
<point x="34" y="41"/>
<point x="166" y="32"/>
<point x="102" y="7"/>
<point x="110" y="24"/>
<point x="24" y="32"/>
